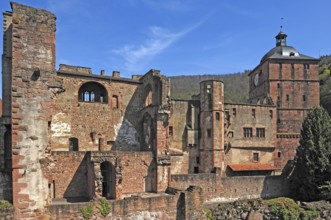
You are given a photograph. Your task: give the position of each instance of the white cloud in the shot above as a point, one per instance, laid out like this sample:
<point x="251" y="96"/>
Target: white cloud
<point x="136" y="57"/>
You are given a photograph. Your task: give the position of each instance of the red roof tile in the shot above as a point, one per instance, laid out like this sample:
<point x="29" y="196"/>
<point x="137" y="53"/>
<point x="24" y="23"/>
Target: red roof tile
<point x="251" y="167"/>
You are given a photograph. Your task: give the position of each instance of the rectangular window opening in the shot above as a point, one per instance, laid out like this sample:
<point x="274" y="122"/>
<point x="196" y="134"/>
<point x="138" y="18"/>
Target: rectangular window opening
<point x="171" y="131"/>
<point x="260" y="132"/>
<point x="234" y="112"/>
<point x="248" y="132"/>
<point x="218" y="116"/>
<point x="255" y="157"/>
<point x="209" y="133"/>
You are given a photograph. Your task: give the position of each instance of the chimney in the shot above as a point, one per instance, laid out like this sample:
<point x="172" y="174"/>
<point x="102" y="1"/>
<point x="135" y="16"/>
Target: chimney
<point x="102" y="72"/>
<point x="116" y="74"/>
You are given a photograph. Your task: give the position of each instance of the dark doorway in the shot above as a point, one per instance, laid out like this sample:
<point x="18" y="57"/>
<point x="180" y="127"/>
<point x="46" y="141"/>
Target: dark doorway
<point x="108" y="180"/>
<point x="73" y="144"/>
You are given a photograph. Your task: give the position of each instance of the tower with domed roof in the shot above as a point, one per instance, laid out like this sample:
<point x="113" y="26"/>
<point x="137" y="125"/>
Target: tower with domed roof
<point x="289" y="80"/>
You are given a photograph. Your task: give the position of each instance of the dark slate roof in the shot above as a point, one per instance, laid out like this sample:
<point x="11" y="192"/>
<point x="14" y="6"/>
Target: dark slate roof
<point x="284" y="52"/>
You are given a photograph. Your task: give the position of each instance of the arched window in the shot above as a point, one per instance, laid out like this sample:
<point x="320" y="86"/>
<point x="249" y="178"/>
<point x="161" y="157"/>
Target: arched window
<point x="93" y="92"/>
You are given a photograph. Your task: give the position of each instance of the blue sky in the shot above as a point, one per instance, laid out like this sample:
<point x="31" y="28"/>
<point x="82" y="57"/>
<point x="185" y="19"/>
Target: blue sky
<point x="182" y="37"/>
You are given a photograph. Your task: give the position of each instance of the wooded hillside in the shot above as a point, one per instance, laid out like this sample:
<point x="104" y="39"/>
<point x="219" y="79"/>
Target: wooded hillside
<point x="235" y="86"/>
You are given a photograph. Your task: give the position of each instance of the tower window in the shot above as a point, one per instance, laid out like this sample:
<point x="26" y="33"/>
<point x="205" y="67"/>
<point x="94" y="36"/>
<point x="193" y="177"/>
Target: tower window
<point x="278" y="85"/>
<point x="253" y="113"/>
<point x="270" y="114"/>
<point x="248" y="132"/>
<point x="287" y="97"/>
<point x="279" y="154"/>
<point x="217" y="114"/>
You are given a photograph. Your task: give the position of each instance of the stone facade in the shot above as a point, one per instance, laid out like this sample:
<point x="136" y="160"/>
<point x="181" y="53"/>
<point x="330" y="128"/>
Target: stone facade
<point x="69" y="135"/>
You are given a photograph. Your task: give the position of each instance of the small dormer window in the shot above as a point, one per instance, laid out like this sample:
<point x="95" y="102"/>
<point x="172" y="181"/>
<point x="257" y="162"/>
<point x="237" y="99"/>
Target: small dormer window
<point x="292" y="54"/>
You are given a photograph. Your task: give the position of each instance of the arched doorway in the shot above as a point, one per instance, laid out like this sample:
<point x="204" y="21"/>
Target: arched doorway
<point x="108" y="180"/>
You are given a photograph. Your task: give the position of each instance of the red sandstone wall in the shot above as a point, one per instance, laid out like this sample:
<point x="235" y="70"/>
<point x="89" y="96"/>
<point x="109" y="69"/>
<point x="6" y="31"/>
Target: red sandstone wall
<point x="82" y="120"/>
<point x="138" y="172"/>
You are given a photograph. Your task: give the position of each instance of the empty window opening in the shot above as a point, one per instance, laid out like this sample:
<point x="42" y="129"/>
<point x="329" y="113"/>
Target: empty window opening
<point x="218" y="116"/>
<point x="271" y="114"/>
<point x="287" y="97"/>
<point x="208" y="133"/>
<point x="171" y="131"/>
<point x="196" y="169"/>
<point x="73" y="144"/>
<point x="114" y="101"/>
<point x="303" y="98"/>
<point x="260" y="132"/>
<point x="248" y="132"/>
<point x="149" y="97"/>
<point x="253" y="113"/>
<point x="234" y="112"/>
<point x="255" y="157"/>
<point x="279" y="154"/>
<point x="278" y="85"/>
<point x="198" y="160"/>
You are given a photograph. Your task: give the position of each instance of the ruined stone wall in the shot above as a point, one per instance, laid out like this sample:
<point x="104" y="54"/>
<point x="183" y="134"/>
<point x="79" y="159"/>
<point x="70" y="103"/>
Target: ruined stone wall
<point x="248" y="187"/>
<point x="138" y="172"/>
<point x="91" y="121"/>
<point x="207" y="181"/>
<point x="180" y="163"/>
<point x="178" y="122"/>
<point x="67" y="173"/>
<point x="34" y="86"/>
<point x="135" y="207"/>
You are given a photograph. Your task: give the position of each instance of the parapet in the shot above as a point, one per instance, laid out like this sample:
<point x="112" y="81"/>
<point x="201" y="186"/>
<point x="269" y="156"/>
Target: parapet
<point x="74" y="69"/>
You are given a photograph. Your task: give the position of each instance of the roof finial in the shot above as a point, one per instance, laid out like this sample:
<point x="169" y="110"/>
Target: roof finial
<point x="281" y="23"/>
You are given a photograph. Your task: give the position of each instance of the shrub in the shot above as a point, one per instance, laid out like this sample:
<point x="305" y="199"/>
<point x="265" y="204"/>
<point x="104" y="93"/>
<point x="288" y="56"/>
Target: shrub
<point x="6" y="208"/>
<point x="284" y="208"/>
<point x="87" y="211"/>
<point x="104" y="207"/>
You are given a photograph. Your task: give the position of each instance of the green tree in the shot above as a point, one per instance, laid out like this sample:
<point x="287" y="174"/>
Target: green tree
<point x="312" y="169"/>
